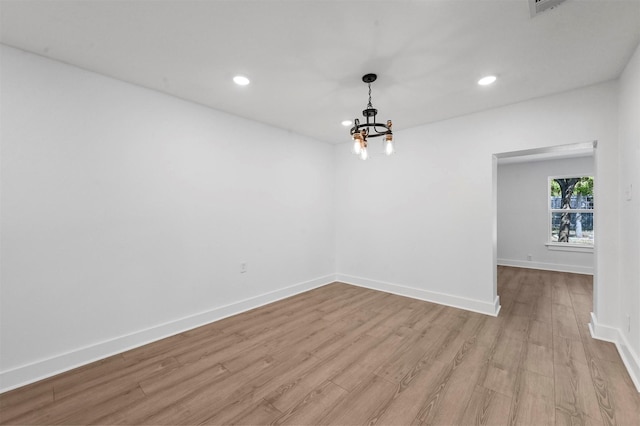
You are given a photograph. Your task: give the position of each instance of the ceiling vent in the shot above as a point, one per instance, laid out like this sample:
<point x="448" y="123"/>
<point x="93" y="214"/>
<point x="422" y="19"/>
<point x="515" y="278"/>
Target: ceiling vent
<point x="538" y="6"/>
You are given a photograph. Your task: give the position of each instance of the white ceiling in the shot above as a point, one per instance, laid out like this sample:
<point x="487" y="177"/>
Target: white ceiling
<point x="306" y="58"/>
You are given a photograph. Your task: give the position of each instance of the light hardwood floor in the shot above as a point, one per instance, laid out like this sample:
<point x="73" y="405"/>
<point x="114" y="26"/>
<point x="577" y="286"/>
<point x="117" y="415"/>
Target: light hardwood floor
<point x="347" y="355"/>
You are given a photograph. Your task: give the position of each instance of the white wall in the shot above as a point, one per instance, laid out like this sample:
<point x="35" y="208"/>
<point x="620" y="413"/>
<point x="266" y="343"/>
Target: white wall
<point x="126" y="214"/>
<point x="628" y="338"/>
<point x="523" y="215"/>
<point x="422" y="222"/>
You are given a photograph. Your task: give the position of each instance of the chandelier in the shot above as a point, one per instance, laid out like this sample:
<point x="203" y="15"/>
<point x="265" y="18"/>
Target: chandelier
<point x="361" y="132"/>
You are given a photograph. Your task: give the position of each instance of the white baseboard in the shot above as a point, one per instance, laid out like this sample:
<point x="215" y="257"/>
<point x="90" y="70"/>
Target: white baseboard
<point x="39" y="370"/>
<point x="602" y="332"/>
<point x="575" y="269"/>
<point x="630" y="359"/>
<point x="487" y="308"/>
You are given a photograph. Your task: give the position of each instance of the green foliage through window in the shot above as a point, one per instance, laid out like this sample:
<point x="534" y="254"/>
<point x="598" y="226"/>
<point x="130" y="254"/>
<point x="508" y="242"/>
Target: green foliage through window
<point x="571" y="205"/>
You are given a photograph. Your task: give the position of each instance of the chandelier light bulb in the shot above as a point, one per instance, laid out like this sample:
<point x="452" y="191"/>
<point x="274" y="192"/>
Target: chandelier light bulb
<point x="356" y="147"/>
<point x="388" y="147"/>
<point x="364" y="154"/>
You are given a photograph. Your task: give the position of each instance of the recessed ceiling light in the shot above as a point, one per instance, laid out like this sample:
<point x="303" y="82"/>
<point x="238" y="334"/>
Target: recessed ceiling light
<point x="485" y="81"/>
<point x="347" y="123"/>
<point x="241" y="80"/>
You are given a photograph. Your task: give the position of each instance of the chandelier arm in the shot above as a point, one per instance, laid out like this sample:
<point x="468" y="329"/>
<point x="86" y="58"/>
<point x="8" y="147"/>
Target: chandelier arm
<point x="386" y="128"/>
<point x="371" y="125"/>
<point x="376" y="135"/>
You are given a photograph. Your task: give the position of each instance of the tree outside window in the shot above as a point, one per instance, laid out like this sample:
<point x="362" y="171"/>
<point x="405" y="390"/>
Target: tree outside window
<point x="571" y="210"/>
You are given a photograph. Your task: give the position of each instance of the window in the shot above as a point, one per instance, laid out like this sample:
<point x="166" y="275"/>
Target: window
<point x="571" y="211"/>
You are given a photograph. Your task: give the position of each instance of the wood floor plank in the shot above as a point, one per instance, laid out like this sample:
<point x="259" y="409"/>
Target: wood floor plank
<point x="342" y="354"/>
<point x="533" y="400"/>
<point x="575" y="396"/>
<point x="422" y="315"/>
<point x="313" y="406"/>
<point x="225" y="351"/>
<point x="292" y="391"/>
<point x="528" y="290"/>
<point x="490" y="330"/>
<point x="175" y="376"/>
<point x="410" y="396"/>
<point x="261" y="414"/>
<point x="439" y="398"/>
<point x="544" y="282"/>
<point x="28" y="398"/>
<point x="140" y="411"/>
<point x="363" y="405"/>
<point x="564" y="321"/>
<point x="90" y="414"/>
<point x="517" y="328"/>
<point x="597" y="348"/>
<point x="502" y="367"/>
<point x="568" y="351"/>
<point x="76" y="380"/>
<point x="582" y="307"/>
<point x="351" y="376"/>
<point x="397" y="319"/>
<point x="540" y="334"/>
<point x="623" y="393"/>
<point x="89" y="392"/>
<point x="424" y="346"/>
<point x="200" y="348"/>
<point x="309" y="339"/>
<point x="507" y="300"/>
<point x="538" y="359"/>
<point x="68" y="408"/>
<point x="560" y="292"/>
<point x="287" y="388"/>
<point x="231" y="401"/>
<point x="603" y="390"/>
<point x="453" y="319"/>
<point x="486" y="407"/>
<point x="342" y="340"/>
<point x="542" y="310"/>
<point x="523" y="309"/>
<point x="242" y="386"/>
<point x="277" y="347"/>
<point x="564" y="418"/>
<point x="352" y="306"/>
<point x="580" y="284"/>
<point x="455" y="395"/>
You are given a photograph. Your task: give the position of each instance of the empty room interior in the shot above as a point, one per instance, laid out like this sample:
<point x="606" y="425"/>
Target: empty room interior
<point x="320" y="212"/>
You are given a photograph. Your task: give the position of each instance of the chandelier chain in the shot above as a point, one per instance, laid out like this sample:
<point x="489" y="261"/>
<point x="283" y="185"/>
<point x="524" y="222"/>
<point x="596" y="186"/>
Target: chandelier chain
<point x="369" y="105"/>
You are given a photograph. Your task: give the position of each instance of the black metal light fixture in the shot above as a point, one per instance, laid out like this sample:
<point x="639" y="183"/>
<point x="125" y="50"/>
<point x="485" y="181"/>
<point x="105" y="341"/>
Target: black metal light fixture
<point x="361" y="132"/>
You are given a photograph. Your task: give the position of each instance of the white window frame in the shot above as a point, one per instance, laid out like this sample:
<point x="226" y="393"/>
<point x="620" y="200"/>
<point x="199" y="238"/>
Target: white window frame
<point x="566" y="246"/>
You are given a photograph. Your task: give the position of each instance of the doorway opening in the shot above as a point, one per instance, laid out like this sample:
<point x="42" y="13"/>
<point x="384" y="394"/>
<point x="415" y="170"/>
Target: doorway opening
<point x="523" y="218"/>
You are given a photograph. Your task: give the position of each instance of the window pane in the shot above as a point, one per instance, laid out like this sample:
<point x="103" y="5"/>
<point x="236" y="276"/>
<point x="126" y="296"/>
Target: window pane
<point x="577" y="202"/>
<point x="580" y="229"/>
<point x="581" y="192"/>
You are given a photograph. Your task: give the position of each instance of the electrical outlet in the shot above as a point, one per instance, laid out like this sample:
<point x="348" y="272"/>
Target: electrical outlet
<point x="243" y="267"/>
<point x="529" y="257"/>
<point x="629" y="323"/>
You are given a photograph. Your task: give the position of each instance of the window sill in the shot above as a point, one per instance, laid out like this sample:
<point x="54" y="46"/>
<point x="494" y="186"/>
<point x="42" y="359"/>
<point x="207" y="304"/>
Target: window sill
<point x="568" y="247"/>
